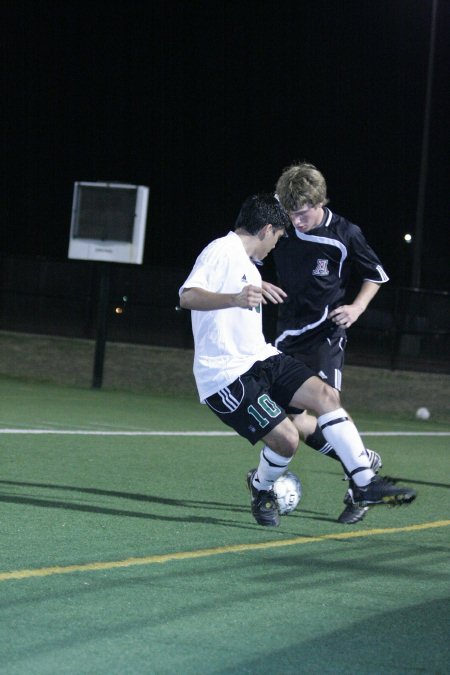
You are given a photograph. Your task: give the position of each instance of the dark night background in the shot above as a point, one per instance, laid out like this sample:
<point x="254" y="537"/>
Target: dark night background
<point x="206" y="102"/>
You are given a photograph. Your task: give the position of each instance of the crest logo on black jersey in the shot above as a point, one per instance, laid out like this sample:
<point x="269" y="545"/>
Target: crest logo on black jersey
<point x="321" y="269"/>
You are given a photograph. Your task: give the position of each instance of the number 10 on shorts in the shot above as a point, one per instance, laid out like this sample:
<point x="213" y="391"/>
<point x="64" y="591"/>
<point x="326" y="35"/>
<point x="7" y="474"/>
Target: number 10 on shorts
<point x="268" y="406"/>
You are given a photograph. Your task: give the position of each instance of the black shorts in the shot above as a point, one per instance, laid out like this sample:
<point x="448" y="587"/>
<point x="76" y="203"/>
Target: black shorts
<point x="256" y="402"/>
<point x="326" y="359"/>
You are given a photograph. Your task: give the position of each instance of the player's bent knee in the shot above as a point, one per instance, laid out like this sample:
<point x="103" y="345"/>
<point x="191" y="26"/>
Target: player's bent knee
<point x="284" y="439"/>
<point x="291" y="441"/>
<point x="328" y="399"/>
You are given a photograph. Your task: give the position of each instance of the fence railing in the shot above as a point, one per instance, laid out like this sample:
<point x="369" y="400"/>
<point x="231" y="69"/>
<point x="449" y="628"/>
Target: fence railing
<point x="402" y="329"/>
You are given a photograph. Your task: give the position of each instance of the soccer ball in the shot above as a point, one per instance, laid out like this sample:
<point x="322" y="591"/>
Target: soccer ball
<point x="288" y="492"/>
<point x="422" y="414"/>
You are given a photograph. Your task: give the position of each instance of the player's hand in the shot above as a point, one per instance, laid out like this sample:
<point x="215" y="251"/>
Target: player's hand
<point x="249" y="297"/>
<point x="272" y="293"/>
<point x="346" y="315"/>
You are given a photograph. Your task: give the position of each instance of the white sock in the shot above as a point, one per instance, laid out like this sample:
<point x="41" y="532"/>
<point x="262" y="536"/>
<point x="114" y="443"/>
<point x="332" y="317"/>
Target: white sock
<point x="345" y="439"/>
<point x="270" y="467"/>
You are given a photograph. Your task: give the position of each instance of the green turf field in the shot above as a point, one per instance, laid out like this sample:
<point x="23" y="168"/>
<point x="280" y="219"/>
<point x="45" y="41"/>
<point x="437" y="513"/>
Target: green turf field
<point x="128" y="546"/>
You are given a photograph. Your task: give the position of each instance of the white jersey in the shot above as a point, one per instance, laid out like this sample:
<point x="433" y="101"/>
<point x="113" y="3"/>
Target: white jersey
<point x="227" y="341"/>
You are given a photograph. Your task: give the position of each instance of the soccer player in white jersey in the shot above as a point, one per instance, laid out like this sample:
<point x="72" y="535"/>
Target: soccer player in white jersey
<point x="314" y="266"/>
<point x="247" y="382"/>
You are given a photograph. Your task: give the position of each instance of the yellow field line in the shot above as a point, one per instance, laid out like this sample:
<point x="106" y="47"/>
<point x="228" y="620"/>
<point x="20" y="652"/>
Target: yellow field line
<point x="203" y="553"/>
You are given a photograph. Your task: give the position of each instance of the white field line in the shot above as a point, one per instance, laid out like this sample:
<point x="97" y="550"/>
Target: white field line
<point x="87" y="432"/>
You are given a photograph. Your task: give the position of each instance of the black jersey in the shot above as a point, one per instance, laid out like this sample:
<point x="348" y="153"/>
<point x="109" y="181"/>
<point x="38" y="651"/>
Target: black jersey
<point x="314" y="270"/>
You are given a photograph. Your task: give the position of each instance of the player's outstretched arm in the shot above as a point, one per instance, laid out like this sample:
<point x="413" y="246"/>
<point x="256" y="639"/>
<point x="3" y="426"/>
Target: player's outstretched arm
<point x="205" y="301"/>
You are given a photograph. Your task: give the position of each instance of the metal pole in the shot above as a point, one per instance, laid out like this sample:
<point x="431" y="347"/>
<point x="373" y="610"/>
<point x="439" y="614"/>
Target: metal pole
<point x="417" y="242"/>
<point x="102" y="321"/>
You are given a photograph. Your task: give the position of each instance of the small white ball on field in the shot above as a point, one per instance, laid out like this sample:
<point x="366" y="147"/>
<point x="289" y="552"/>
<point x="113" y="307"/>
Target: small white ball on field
<point x="422" y="414"/>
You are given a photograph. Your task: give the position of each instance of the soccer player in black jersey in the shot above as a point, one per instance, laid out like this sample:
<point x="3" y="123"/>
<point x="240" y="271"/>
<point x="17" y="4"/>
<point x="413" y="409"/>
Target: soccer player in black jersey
<point x="313" y="266"/>
<point x="248" y="383"/>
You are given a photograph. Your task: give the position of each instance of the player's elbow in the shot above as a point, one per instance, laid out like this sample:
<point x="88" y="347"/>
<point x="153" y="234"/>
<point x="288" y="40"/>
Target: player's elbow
<point x="184" y="300"/>
<point x="187" y="299"/>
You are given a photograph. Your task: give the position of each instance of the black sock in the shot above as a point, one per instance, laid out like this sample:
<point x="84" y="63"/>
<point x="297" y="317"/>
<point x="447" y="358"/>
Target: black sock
<point x="317" y="441"/>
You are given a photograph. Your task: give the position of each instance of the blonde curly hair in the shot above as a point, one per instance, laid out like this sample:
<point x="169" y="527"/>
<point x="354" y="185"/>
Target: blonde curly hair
<point x="301" y="184"/>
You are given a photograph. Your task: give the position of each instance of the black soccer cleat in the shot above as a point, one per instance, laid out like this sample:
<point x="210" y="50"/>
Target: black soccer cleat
<point x="264" y="505"/>
<point x="353" y="513"/>
<point x="381" y="491"/>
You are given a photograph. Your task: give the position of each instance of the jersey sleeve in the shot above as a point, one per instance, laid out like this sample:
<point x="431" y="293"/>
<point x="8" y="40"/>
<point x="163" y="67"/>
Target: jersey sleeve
<point x="209" y="270"/>
<point x="365" y="261"/>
